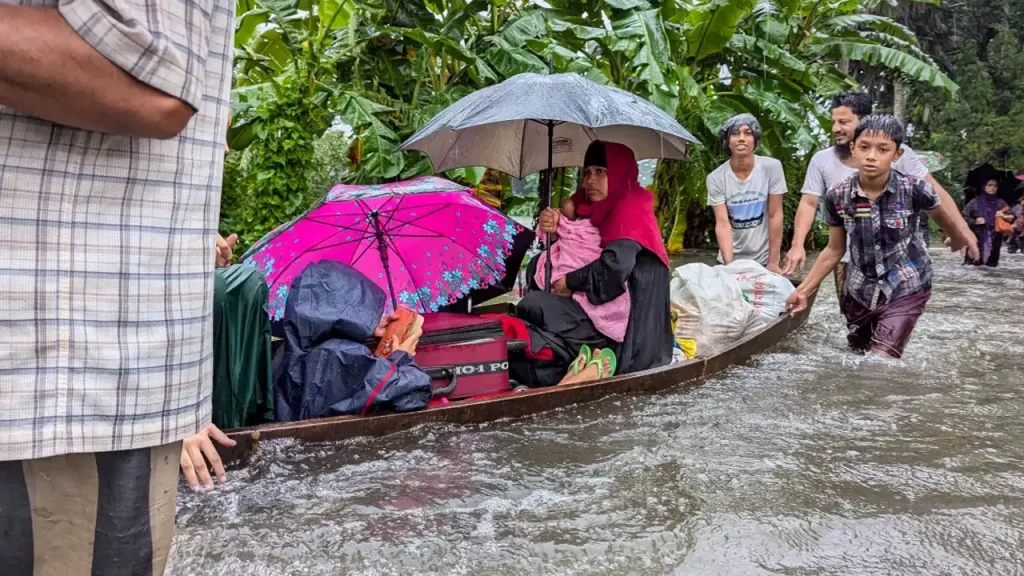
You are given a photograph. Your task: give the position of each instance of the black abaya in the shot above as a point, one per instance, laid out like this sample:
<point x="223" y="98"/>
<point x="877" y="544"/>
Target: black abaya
<point x="997" y="247"/>
<point x="561" y="324"/>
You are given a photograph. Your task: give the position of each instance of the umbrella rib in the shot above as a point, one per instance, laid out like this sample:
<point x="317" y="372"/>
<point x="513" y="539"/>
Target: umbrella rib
<point x="368" y="236"/>
<point x="394" y="211"/>
<point x="340" y="227"/>
<point x="384" y="237"/>
<point x="296" y="259"/>
<point x="460" y="244"/>
<point x="342" y="243"/>
<point x="522" y="148"/>
<point x="369" y="245"/>
<point x="440" y="207"/>
<point x="409" y="270"/>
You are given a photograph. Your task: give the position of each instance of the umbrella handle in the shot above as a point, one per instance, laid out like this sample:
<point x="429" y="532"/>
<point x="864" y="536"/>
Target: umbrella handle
<point x="547" y="264"/>
<point x="551" y="176"/>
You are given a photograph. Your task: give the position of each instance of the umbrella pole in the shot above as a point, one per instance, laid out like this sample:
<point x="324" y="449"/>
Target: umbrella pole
<point x="547" y="203"/>
<point x="382" y="248"/>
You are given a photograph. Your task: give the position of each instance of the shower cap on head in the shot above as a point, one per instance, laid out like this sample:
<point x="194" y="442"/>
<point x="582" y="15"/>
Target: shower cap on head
<point x="733" y="124"/>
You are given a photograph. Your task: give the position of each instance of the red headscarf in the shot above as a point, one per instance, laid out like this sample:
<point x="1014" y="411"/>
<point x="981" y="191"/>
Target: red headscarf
<point x="628" y="211"/>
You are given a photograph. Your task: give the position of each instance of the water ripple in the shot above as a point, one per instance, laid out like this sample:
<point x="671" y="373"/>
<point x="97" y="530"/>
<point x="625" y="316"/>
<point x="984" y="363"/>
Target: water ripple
<point x="807" y="460"/>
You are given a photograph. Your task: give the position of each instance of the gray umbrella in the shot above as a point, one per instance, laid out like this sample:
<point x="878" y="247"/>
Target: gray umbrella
<point x="533" y="122"/>
<point x="507" y="126"/>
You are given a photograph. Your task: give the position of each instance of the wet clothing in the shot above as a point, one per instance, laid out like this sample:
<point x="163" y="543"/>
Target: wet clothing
<point x="747" y="203"/>
<point x="990" y="243"/>
<point x="887" y="253"/>
<point x="628" y="211"/>
<point x="102" y="513"/>
<point x="579" y="244"/>
<point x="839" y="275"/>
<point x="633" y="259"/>
<point x="561" y="325"/>
<point x="1015" y="243"/>
<point x="105" y="244"/>
<point x="243" y="391"/>
<point x="826" y="170"/>
<point x="323" y="368"/>
<point x="888" y="326"/>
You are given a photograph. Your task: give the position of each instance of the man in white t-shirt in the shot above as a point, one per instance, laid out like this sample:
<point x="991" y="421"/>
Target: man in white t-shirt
<point x="746" y="194"/>
<point x="833" y="165"/>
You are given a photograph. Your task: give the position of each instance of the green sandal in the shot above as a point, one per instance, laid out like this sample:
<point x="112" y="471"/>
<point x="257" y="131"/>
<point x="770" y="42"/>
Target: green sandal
<point x="612" y="363"/>
<point x="581" y="361"/>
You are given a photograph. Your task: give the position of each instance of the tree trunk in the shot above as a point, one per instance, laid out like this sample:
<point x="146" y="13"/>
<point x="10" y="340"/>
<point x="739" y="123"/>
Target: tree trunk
<point x="899" y="100"/>
<point x="669" y="185"/>
<point x="680" y="207"/>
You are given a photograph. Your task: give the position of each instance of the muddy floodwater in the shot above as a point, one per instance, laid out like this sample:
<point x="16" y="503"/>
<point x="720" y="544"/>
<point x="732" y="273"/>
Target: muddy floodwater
<point x="807" y="460"/>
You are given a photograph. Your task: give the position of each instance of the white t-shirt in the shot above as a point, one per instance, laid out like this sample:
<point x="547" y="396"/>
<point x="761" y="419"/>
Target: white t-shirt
<point x="826" y="170"/>
<point x="747" y="204"/>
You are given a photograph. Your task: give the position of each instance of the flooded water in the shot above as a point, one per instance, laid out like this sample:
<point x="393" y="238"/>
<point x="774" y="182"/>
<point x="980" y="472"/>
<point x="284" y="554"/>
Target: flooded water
<point x="808" y="460"/>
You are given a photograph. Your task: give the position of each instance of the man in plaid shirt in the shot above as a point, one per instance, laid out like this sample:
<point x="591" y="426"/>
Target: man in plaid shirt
<point x="879" y="208"/>
<point x="112" y="120"/>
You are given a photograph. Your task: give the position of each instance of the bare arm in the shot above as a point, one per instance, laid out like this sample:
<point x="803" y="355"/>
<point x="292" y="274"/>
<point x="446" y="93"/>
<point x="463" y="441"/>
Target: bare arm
<point x="827" y="260"/>
<point x="959" y="236"/>
<point x="804" y="218"/>
<point x="953" y="222"/>
<point x="801" y="227"/>
<point x="723" y="233"/>
<point x="47" y="70"/>
<point x="775" y="222"/>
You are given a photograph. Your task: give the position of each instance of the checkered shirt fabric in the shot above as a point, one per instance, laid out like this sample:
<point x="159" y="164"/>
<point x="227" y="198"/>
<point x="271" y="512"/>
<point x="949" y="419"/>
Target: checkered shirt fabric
<point x="888" y="255"/>
<point x="107" y="245"/>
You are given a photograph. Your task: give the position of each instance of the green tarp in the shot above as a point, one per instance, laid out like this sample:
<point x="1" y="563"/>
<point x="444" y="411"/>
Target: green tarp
<point x="243" y="393"/>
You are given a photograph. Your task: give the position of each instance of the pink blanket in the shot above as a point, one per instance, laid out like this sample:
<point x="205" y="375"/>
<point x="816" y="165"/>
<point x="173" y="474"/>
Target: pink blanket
<point x="579" y="244"/>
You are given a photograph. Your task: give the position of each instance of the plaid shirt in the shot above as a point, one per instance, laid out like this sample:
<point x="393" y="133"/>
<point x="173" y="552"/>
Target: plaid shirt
<point x="107" y="245"/>
<point x="888" y="256"/>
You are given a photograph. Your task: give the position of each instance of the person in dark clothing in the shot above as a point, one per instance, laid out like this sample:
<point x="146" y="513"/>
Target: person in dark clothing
<point x="981" y="214"/>
<point x="1015" y="241"/>
<point x="633" y="259"/>
<point x="324" y="367"/>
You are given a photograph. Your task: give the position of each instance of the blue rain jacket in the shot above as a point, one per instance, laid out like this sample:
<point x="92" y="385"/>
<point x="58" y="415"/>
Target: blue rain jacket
<point x="323" y="367"/>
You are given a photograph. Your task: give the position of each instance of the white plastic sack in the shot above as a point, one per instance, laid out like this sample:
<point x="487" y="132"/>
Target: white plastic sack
<point x="711" y="308"/>
<point x="766" y="291"/>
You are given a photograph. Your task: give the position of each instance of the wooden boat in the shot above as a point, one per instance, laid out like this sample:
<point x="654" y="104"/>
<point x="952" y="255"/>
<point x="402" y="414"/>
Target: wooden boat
<point x="514" y="404"/>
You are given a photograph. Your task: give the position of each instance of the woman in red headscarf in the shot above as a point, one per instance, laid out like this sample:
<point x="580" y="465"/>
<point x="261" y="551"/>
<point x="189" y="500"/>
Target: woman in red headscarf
<point x="633" y="258"/>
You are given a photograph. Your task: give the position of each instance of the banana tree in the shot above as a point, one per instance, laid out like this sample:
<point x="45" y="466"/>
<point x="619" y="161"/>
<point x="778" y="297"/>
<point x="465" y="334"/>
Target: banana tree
<point x="776" y="59"/>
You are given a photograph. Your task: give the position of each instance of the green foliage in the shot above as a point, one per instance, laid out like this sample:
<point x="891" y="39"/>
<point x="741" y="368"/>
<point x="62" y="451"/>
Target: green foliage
<point x="330" y="164"/>
<point x="385" y="67"/>
<point x="983" y="123"/>
<point x="278" y="163"/>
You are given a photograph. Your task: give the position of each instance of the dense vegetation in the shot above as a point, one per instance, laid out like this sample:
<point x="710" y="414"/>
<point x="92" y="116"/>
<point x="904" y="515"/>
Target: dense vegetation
<point x="326" y="90"/>
<point x="978" y="43"/>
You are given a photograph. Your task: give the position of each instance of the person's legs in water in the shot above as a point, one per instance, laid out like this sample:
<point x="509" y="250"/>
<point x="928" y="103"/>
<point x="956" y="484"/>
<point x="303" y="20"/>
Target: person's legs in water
<point x="1013" y="243"/>
<point x="896" y="322"/>
<point x="997" y="247"/>
<point x="860" y="323"/>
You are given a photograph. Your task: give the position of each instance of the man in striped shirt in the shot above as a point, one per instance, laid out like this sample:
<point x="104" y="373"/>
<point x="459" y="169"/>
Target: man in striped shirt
<point x="112" y="120"/>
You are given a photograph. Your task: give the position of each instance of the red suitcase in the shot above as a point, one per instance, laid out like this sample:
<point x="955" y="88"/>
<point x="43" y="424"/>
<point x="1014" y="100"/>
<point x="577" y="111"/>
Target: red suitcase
<point x="465" y="353"/>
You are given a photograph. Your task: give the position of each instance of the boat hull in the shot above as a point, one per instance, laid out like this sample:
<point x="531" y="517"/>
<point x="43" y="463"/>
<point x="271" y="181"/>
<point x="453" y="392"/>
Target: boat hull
<point x="514" y="405"/>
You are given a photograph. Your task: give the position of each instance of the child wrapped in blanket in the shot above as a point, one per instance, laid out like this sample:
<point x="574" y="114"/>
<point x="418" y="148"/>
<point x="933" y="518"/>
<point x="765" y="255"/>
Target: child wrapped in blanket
<point x="579" y="244"/>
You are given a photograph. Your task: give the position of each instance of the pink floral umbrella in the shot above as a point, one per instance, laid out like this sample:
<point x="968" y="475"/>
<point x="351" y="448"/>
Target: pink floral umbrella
<point x="428" y="242"/>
